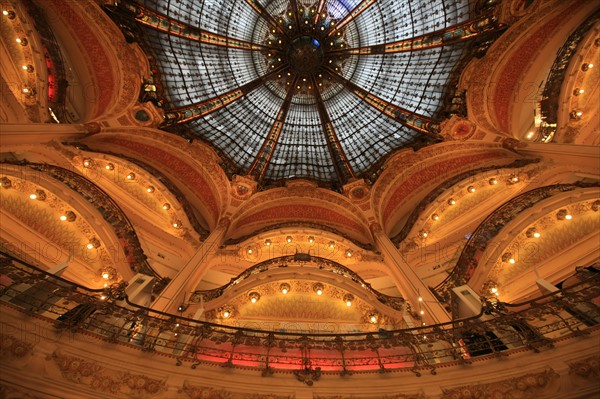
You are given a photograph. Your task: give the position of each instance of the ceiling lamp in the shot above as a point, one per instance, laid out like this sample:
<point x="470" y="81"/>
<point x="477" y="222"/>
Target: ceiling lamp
<point x="226" y="313"/>
<point x="318" y="288"/>
<point x="585" y="66"/>
<point x="5" y="182"/>
<point x="166" y="206"/>
<point x="578" y="91"/>
<point x="311" y="239"/>
<point x="373" y="317"/>
<point x="28" y="68"/>
<point x="493" y="181"/>
<point x="513" y="179"/>
<point x="150" y="189"/>
<point x="284" y="288"/>
<point x="471" y="189"/>
<point x="254" y="296"/>
<point x="87" y="163"/>
<point x="39" y="195"/>
<point x="289" y="239"/>
<point x="331" y="244"/>
<point x="10" y="14"/>
<point x="532" y="233"/>
<point x="508" y="257"/>
<point x="109" y="166"/>
<point x="131" y="176"/>
<point x="435" y="216"/>
<point x="177" y="224"/>
<point x="22" y="41"/>
<point x="575" y="114"/>
<point x="68" y="216"/>
<point x="94" y="243"/>
<point x="348" y="298"/>
<point x="268" y="242"/>
<point x="451" y="201"/>
<point x="423" y="234"/>
<point x="348" y="253"/>
<point x="563" y="214"/>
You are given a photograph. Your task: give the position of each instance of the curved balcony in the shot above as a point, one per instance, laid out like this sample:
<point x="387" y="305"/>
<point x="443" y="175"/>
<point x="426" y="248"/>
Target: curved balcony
<point x="499" y="329"/>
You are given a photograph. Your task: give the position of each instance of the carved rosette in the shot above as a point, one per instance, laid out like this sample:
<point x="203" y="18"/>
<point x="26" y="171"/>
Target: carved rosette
<point x="13" y="348"/>
<point x="529" y="386"/>
<point x="242" y="187"/>
<point x="104" y="379"/>
<point x="586" y="368"/>
<point x="457" y="128"/>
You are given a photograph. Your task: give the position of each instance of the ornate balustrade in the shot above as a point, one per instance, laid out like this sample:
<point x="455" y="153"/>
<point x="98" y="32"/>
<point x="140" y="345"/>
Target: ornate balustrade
<point x="500" y="329"/>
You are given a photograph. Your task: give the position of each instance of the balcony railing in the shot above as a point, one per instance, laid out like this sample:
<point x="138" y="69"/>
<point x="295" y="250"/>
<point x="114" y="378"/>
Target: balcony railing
<point x="497" y="330"/>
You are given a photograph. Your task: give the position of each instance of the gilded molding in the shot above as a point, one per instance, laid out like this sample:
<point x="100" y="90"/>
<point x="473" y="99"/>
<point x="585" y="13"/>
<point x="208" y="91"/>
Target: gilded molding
<point x="528" y="386"/>
<point x="104" y="379"/>
<point x="197" y="392"/>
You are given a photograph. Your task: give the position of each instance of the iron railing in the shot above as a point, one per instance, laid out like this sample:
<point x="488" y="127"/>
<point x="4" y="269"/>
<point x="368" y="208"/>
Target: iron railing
<point x="499" y="329"/>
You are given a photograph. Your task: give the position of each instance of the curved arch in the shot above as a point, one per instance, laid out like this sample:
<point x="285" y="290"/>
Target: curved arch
<point x="303" y="203"/>
<point x="395" y="192"/>
<point x="192" y="167"/>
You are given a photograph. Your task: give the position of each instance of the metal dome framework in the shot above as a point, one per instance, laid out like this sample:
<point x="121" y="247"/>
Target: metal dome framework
<point x="306" y="89"/>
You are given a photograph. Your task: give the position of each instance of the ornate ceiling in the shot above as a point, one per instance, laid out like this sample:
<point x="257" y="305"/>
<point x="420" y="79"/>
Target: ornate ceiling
<point x="305" y="89"/>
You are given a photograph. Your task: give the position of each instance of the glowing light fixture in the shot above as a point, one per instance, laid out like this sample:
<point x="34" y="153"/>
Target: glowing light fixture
<point x="563" y="214"/>
<point x="150" y="189"/>
<point x="451" y="201"/>
<point x="254" y="296"/>
<point x="87" y="163"/>
<point x="284" y="288"/>
<point x="532" y="233"/>
<point x="435" y="216"/>
<point x="318" y="288"/>
<point x="493" y="181"/>
<point x="289" y="239"/>
<point x="131" y="176"/>
<point x="348" y="298"/>
<point x="109" y="166"/>
<point x="166" y="206"/>
<point x="311" y="239"/>
<point x="268" y="242"/>
<point x="471" y="189"/>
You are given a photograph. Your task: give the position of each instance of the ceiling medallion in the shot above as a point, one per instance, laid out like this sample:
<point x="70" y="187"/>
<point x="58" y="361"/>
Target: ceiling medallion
<point x="304" y="48"/>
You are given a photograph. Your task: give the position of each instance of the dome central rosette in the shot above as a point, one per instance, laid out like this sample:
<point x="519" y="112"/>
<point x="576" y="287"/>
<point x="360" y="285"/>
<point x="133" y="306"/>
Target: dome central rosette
<point x="305" y="46"/>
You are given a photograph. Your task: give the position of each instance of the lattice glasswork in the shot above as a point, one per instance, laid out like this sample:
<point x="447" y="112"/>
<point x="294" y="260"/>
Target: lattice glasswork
<point x="319" y="89"/>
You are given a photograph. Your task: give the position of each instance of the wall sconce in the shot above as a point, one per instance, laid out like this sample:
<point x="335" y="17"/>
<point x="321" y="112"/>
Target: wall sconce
<point x="532" y="233"/>
<point x="493" y="181"/>
<point x="318" y="288"/>
<point x="39" y="195"/>
<point x="94" y="243"/>
<point x="373" y="317"/>
<point x="68" y="216"/>
<point x="451" y="201"/>
<point x="254" y="296"/>
<point x="10" y="14"/>
<point x="5" y="182"/>
<point x="109" y="166"/>
<point x="513" y="179"/>
<point x="166" y="206"/>
<point x="131" y="176"/>
<point x="289" y="239"/>
<point x="563" y="214"/>
<point x="586" y="66"/>
<point x="471" y="189"/>
<point x="348" y="298"/>
<point x="284" y="288"/>
<point x="508" y="257"/>
<point x="87" y="163"/>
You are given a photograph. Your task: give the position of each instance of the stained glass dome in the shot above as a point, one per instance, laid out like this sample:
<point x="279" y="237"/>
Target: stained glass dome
<point x="317" y="89"/>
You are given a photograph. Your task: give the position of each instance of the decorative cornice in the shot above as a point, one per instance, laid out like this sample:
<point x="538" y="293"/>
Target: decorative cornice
<point x="101" y="378"/>
<point x="198" y="392"/>
<point x="529" y="386"/>
<point x="13" y="348"/>
<point x="586" y="368"/>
